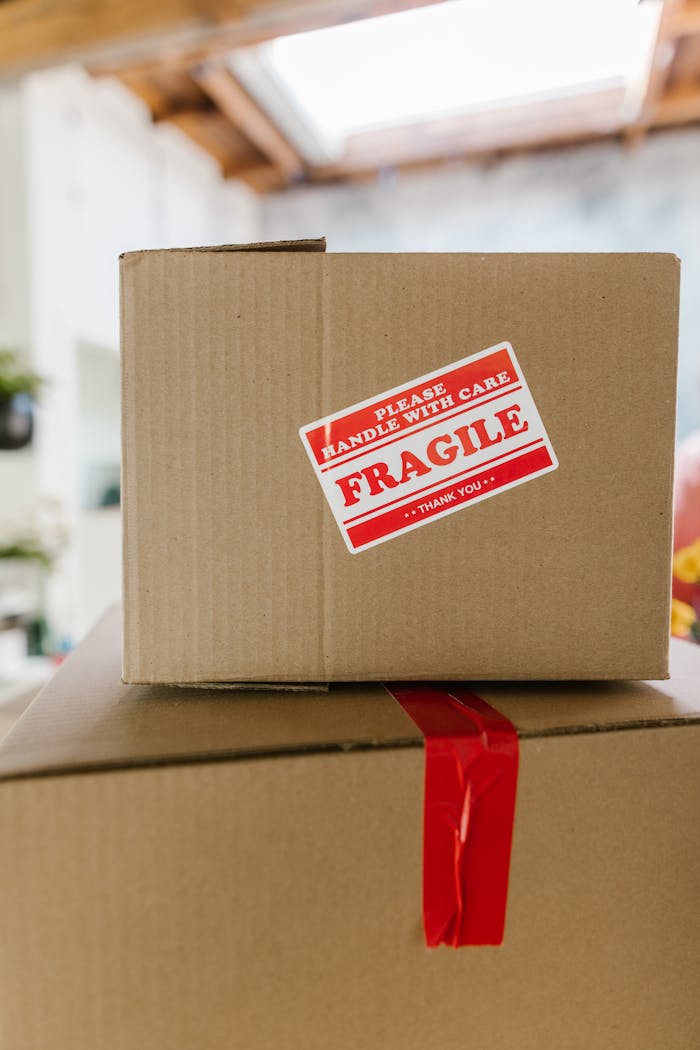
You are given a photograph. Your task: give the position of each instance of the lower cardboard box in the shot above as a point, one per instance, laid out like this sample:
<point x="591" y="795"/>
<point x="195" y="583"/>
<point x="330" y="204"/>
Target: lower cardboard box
<point x="195" y="868"/>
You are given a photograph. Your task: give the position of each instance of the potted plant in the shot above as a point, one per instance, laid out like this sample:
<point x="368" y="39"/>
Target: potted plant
<point x="18" y="390"/>
<point x="29" y="549"/>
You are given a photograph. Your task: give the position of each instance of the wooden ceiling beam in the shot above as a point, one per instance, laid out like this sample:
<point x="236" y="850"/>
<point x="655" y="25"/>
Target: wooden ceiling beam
<point x="221" y="86"/>
<point x="263" y="179"/>
<point x="679" y="105"/>
<point x="454" y="159"/>
<point x="524" y="126"/>
<point x="659" y="70"/>
<point x="166" y="94"/>
<point x="686" y="19"/>
<point x="212" y="132"/>
<point x="686" y="63"/>
<point x="35" y="34"/>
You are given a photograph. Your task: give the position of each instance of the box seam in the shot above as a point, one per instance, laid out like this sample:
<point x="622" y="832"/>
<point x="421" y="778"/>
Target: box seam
<point x="346" y="747"/>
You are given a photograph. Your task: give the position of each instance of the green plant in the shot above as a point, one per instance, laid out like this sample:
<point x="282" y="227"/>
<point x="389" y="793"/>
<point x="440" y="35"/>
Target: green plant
<point x="40" y="537"/>
<point x="26" y="550"/>
<point x="13" y="380"/>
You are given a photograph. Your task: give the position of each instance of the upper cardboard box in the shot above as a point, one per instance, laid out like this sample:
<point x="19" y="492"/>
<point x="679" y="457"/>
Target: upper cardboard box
<point x="346" y="467"/>
<point x="171" y="855"/>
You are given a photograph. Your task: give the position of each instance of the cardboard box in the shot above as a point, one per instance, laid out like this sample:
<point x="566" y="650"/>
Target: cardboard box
<point x="192" y="868"/>
<point x="449" y="558"/>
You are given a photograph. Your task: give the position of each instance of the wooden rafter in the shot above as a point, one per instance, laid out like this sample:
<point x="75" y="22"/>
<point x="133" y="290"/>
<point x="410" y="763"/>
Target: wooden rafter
<point x="174" y="55"/>
<point x="528" y="125"/>
<point x="39" y="33"/>
<point x="673" y="91"/>
<point x="686" y="63"/>
<point x="167" y="92"/>
<point x="686" y="19"/>
<point x="679" y="105"/>
<point x="662" y="57"/>
<point x="221" y="86"/>
<point x="234" y="153"/>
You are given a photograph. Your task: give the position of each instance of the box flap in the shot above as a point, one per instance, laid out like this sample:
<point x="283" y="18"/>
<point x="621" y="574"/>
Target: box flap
<point x="85" y="718"/>
<point x="317" y="244"/>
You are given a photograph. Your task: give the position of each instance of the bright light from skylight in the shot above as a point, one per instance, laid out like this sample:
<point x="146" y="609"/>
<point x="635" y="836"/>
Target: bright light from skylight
<point x="453" y="57"/>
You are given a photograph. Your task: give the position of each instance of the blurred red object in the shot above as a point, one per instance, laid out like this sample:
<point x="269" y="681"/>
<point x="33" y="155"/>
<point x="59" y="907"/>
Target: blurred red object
<point x="686" y="510"/>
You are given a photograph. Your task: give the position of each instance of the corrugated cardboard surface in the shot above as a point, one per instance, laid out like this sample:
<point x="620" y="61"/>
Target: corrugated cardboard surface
<point x="87" y="719"/>
<point x="234" y="567"/>
<point x="262" y="902"/>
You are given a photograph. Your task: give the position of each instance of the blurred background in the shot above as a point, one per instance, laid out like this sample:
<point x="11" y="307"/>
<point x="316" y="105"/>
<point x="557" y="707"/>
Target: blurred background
<point x="470" y="125"/>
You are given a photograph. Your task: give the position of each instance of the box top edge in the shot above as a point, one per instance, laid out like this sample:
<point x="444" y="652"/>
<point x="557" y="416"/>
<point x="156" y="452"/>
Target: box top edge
<point x="85" y="719"/>
<point x="315" y="244"/>
<point x="318" y="245"/>
<point x="33" y="771"/>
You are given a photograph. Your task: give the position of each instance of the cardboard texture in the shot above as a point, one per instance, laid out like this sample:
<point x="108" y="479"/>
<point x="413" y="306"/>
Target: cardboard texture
<point x="235" y="569"/>
<point x="188" y="868"/>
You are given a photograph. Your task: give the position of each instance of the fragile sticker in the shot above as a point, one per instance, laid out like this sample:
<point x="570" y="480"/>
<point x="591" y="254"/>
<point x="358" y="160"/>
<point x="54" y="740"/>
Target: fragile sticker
<point x="429" y="448"/>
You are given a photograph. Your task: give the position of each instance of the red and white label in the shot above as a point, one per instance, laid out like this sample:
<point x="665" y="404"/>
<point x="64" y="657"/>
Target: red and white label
<point x="428" y="448"/>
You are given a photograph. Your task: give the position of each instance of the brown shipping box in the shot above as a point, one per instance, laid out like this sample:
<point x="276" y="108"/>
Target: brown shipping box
<point x="490" y="499"/>
<point x="196" y="868"/>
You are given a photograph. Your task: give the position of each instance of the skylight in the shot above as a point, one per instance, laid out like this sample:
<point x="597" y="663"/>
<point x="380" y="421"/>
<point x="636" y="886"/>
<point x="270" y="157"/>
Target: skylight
<point x="451" y="58"/>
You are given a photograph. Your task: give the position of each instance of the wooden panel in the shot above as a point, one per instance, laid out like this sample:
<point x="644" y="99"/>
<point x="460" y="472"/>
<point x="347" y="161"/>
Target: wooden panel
<point x="189" y="83"/>
<point x="38" y="33"/>
<point x="245" y="114"/>
<point x="680" y="105"/>
<point x="214" y="133"/>
<point x="664" y="50"/>
<point x="166" y="91"/>
<point x="686" y="19"/>
<point x="505" y="128"/>
<point x="235" y="155"/>
<point x="686" y="64"/>
<point x="263" y="179"/>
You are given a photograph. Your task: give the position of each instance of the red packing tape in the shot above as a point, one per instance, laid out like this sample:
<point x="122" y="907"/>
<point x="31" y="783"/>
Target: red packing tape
<point x="471" y="774"/>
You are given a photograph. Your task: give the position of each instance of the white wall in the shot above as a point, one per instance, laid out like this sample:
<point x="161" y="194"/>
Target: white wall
<point x="99" y="445"/>
<point x="104" y="180"/>
<point x="17" y="477"/>
<point x="603" y="197"/>
<point x="101" y="180"/>
<point x="14" y="291"/>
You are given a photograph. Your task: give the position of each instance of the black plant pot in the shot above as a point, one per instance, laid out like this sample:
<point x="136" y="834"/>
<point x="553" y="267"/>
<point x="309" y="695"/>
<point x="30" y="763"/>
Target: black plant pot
<point x="16" y="421"/>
